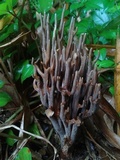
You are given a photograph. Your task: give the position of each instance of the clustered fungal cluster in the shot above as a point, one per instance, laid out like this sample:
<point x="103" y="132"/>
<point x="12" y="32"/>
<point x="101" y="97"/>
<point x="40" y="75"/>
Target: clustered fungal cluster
<point x="65" y="78"/>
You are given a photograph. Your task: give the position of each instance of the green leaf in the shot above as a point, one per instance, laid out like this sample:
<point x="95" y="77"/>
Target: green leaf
<point x="112" y="90"/>
<point x="4" y="99"/>
<point x="19" y="68"/>
<point x="44" y="5"/>
<point x="103" y="40"/>
<point x="23" y="70"/>
<point x="9" y="4"/>
<point x="24" y="154"/>
<point x="34" y="129"/>
<point x="1" y="83"/>
<point x="109" y="34"/>
<point x="14" y="2"/>
<point x="75" y="6"/>
<point x="27" y="72"/>
<point x="6" y="31"/>
<point x="113" y="24"/>
<point x="10" y="141"/>
<point x="84" y="25"/>
<point x="100" y="17"/>
<point x="96" y="4"/>
<point x="102" y="55"/>
<point x="105" y="64"/>
<point x="6" y="6"/>
<point x="3" y="9"/>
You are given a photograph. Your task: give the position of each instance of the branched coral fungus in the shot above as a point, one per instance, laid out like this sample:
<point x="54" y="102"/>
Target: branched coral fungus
<point x="66" y="80"/>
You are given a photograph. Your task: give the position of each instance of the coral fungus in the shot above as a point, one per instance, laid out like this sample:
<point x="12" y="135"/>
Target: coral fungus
<point x="66" y="79"/>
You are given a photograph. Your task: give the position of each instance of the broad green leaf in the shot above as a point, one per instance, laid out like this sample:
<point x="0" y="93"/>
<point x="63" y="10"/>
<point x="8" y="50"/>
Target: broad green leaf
<point x="84" y="25"/>
<point x="1" y="83"/>
<point x="5" y="21"/>
<point x="112" y="90"/>
<point x="14" y="2"/>
<point x="27" y="72"/>
<point x="44" y="5"/>
<point x="105" y="64"/>
<point x="6" y="31"/>
<point x="109" y="34"/>
<point x="24" y="154"/>
<point x="100" y="17"/>
<point x="3" y="9"/>
<point x="113" y="24"/>
<point x="114" y="9"/>
<point x="102" y="54"/>
<point x="96" y="4"/>
<point x="107" y="4"/>
<point x="75" y="6"/>
<point x="103" y="40"/>
<point x="19" y="68"/>
<point x="34" y="129"/>
<point x="4" y="98"/>
<point x="10" y="141"/>
<point x="9" y="4"/>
